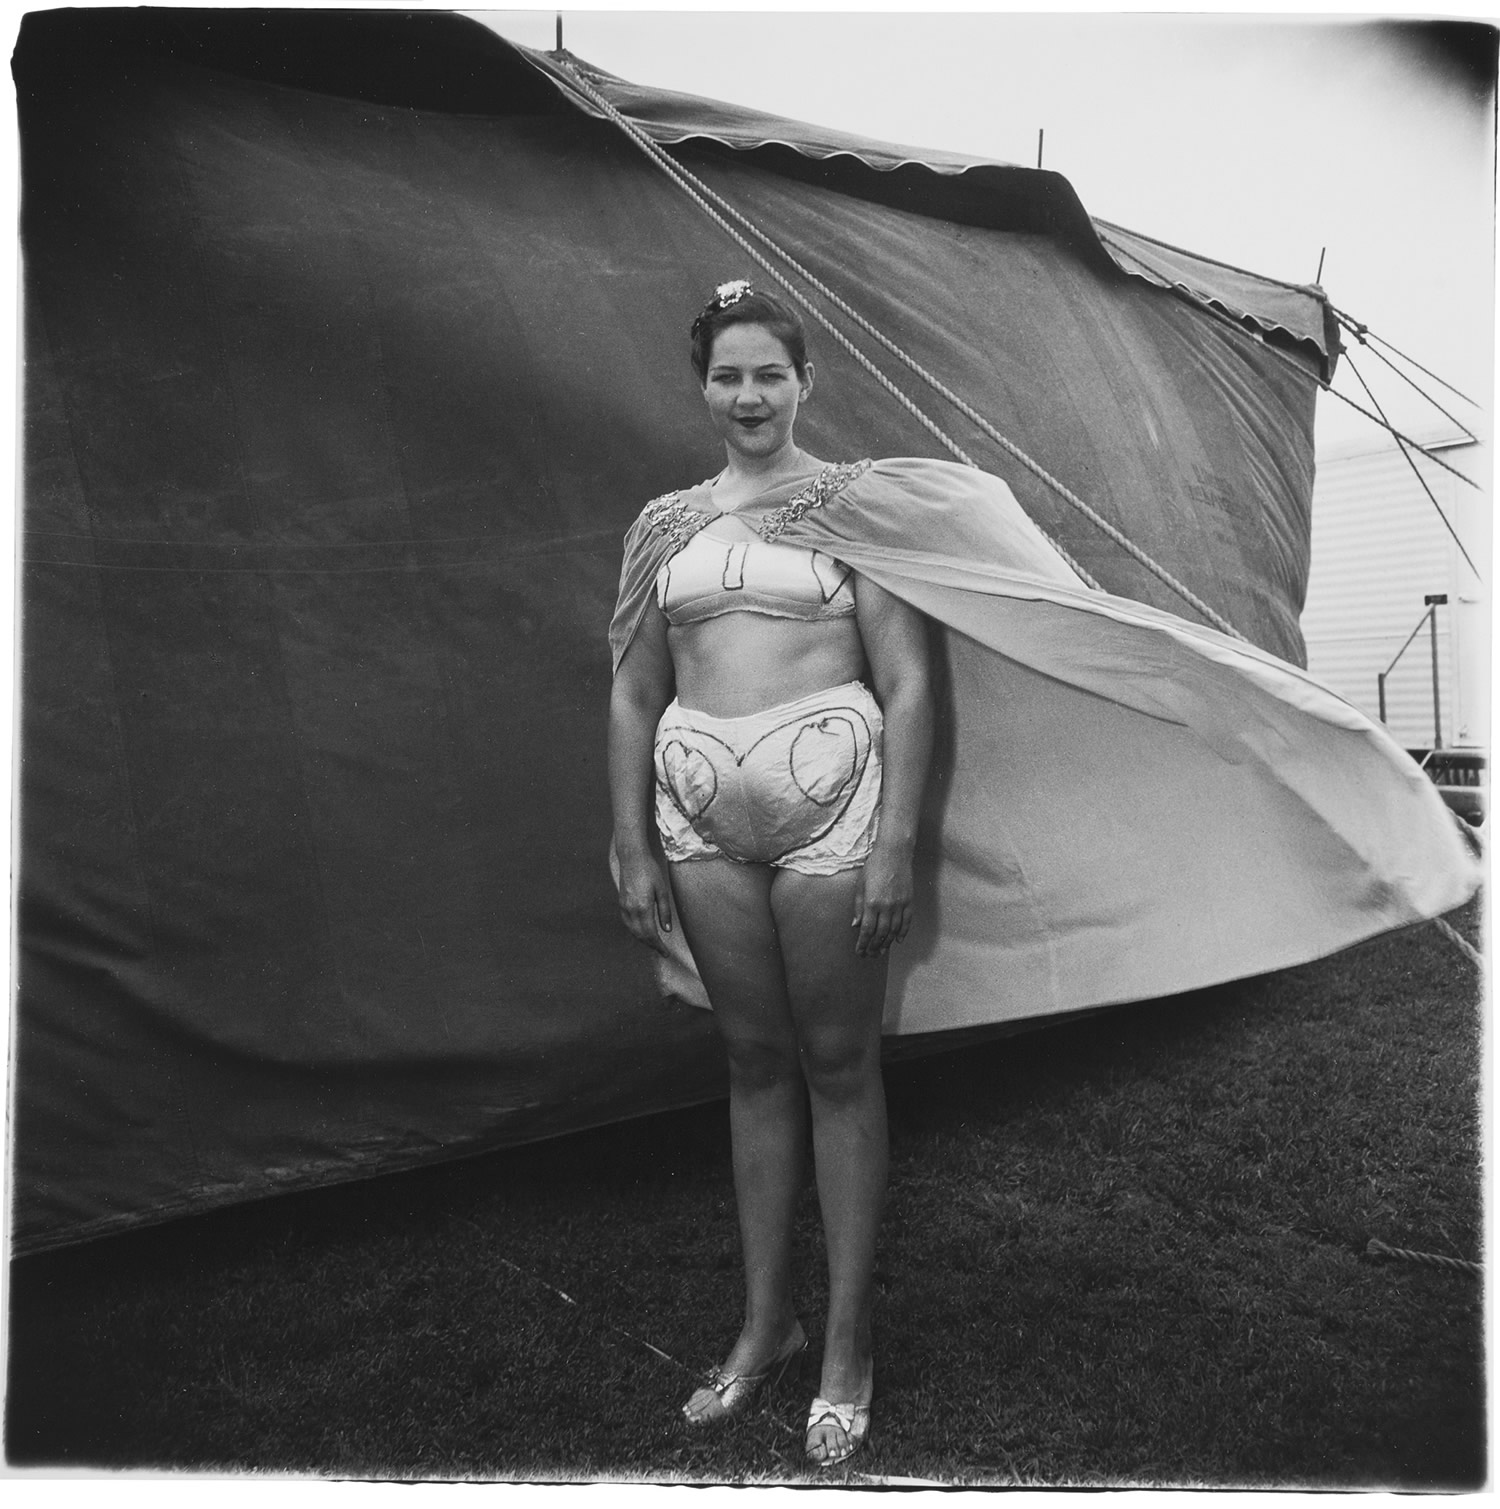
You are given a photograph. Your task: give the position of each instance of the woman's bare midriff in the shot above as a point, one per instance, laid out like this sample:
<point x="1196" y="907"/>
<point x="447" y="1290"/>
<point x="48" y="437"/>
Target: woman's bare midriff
<point x="742" y="663"/>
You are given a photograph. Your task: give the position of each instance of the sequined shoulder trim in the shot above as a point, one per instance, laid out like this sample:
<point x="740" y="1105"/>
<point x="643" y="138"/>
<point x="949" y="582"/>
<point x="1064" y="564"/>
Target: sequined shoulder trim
<point x="668" y="515"/>
<point x="829" y="482"/>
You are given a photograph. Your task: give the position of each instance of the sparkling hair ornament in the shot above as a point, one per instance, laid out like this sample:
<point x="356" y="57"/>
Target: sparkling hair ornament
<point x="725" y="296"/>
<point x="737" y="302"/>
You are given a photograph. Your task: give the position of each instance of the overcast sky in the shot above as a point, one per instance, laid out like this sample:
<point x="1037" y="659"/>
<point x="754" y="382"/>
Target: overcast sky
<point x="1258" y="141"/>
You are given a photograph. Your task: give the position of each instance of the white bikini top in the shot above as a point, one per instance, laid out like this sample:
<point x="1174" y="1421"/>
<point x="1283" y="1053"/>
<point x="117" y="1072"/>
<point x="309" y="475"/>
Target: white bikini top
<point x="710" y="576"/>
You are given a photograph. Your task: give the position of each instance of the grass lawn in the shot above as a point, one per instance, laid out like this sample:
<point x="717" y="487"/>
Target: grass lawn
<point x="1126" y="1249"/>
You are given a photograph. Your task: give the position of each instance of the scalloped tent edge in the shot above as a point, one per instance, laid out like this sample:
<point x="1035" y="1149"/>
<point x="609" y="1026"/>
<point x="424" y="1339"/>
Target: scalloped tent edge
<point x="1298" y="313"/>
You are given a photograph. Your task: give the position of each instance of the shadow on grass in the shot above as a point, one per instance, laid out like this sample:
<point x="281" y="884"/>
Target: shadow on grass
<point x="1122" y="1249"/>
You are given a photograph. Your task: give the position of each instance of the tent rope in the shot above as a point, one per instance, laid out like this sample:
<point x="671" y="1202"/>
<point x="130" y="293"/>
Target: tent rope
<point x="1224" y="318"/>
<point x="1361" y="331"/>
<point x="1416" y="471"/>
<point x="701" y="194"/>
<point x="1361" y="334"/>
<point x="1376" y="1248"/>
<point x="1456" y="938"/>
<point x="1385" y="424"/>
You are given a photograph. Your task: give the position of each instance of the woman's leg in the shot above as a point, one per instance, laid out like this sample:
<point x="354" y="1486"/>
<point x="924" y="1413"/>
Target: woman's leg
<point x="726" y="915"/>
<point x="836" y="1000"/>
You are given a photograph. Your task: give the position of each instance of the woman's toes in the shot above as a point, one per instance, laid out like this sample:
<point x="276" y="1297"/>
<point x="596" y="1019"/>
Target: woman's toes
<point x="826" y="1442"/>
<point x="704" y="1407"/>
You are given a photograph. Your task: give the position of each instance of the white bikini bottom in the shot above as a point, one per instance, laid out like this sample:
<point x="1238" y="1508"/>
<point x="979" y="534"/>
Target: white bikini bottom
<point x="795" y="786"/>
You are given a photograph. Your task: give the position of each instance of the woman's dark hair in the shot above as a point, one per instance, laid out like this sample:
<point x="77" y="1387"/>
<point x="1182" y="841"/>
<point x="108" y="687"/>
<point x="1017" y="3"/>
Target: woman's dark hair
<point x="739" y="304"/>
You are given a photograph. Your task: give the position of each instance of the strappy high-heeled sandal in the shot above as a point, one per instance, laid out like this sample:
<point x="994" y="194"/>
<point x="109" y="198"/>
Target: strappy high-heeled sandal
<point x="853" y="1419"/>
<point x="729" y="1394"/>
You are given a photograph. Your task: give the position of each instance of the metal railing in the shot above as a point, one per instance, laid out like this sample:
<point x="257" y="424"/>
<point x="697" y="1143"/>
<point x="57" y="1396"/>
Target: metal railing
<point x="1434" y="601"/>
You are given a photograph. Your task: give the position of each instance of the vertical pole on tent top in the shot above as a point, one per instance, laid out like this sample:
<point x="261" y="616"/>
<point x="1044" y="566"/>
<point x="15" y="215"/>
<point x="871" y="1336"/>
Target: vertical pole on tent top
<point x="1039" y="135"/>
<point x="1434" y="601"/>
<point x="1318" y="280"/>
<point x="1380" y="692"/>
<point x="559" y="31"/>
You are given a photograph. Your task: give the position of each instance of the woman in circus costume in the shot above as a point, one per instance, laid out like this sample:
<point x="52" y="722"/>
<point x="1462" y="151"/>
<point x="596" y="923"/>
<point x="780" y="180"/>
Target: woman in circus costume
<point x="773" y="709"/>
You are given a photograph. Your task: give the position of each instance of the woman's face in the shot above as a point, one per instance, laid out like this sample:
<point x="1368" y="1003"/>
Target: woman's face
<point x="753" y="390"/>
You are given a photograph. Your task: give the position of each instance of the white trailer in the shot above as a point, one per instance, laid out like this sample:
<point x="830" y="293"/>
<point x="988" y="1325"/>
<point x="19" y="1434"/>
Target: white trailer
<point x="1395" y="614"/>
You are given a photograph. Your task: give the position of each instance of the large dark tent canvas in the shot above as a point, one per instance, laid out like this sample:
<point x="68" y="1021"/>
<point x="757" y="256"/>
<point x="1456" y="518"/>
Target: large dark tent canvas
<point x="351" y="351"/>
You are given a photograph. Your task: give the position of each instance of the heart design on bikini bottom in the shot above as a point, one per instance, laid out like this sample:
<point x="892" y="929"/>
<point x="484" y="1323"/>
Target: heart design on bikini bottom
<point x="823" y="763"/>
<point x="818" y="754"/>
<point x="691" y="780"/>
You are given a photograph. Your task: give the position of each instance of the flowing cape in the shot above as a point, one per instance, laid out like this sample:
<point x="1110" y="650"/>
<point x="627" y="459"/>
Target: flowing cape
<point x="1122" y="804"/>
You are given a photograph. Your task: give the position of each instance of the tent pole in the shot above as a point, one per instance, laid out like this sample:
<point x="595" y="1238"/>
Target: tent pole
<point x="1433" y="603"/>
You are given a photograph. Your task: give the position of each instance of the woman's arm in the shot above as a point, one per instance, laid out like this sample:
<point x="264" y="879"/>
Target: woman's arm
<point x="642" y="688"/>
<point x="895" y="639"/>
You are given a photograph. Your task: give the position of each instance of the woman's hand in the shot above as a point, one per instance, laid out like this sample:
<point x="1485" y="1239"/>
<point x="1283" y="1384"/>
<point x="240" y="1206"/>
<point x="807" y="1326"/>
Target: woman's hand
<point x="883" y="902"/>
<point x="645" y="901"/>
<point x="642" y="688"/>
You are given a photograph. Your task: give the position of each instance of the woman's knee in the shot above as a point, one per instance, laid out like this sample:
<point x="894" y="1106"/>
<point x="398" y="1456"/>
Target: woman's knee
<point x="762" y="1063"/>
<point x="840" y="1066"/>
